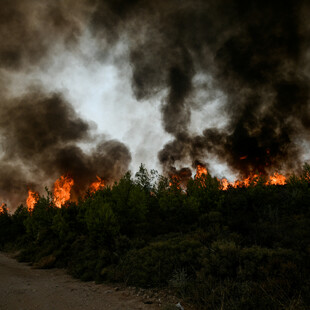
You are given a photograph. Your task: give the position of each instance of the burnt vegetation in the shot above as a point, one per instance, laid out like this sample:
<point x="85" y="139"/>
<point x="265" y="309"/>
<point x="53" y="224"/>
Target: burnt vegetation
<point x="240" y="248"/>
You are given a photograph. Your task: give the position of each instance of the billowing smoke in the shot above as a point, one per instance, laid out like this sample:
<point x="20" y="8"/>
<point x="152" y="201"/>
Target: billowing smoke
<point x="250" y="57"/>
<point x="28" y="29"/>
<point x="255" y="54"/>
<point x="41" y="133"/>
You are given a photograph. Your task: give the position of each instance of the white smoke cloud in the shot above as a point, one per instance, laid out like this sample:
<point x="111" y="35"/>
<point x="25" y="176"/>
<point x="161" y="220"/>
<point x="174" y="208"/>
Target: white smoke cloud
<point x="100" y="91"/>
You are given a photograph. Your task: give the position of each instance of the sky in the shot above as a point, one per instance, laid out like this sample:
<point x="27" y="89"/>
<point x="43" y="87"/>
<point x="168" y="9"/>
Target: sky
<point x="97" y="87"/>
<point x="101" y="92"/>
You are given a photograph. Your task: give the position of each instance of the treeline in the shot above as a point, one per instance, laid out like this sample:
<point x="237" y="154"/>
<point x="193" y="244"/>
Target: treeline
<point x="243" y="248"/>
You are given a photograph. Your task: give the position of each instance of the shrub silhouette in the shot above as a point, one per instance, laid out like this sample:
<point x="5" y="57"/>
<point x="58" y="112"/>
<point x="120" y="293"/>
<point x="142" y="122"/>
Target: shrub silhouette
<point x="243" y="248"/>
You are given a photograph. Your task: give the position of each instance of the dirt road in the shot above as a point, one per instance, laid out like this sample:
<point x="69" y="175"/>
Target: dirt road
<point x="25" y="288"/>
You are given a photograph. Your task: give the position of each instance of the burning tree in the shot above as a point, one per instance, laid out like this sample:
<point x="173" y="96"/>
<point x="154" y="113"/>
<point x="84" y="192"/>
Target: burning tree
<point x="62" y="189"/>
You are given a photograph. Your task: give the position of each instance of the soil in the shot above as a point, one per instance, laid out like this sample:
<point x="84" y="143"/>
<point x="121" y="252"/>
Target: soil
<point x="24" y="288"/>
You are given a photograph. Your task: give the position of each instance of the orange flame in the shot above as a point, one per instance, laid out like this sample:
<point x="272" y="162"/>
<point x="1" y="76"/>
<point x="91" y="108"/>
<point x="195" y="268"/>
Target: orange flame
<point x="224" y="184"/>
<point x="250" y="179"/>
<point x="62" y="188"/>
<point x="277" y="179"/>
<point x="175" y="180"/>
<point x="200" y="171"/>
<point x="3" y="205"/>
<point x="32" y="199"/>
<point x="95" y="186"/>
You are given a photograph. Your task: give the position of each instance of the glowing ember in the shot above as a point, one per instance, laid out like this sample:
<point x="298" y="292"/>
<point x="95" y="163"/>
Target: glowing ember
<point x="32" y="199"/>
<point x="243" y="157"/>
<point x="201" y="171"/>
<point x="95" y="186"/>
<point x="62" y="188"/>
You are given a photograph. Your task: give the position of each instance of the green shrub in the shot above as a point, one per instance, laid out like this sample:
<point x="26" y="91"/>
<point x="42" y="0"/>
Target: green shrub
<point x="243" y="248"/>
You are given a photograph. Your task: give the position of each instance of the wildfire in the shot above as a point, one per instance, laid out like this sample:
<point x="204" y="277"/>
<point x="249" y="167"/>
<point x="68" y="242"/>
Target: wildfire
<point x="95" y="186"/>
<point x="200" y="171"/>
<point x="175" y="180"/>
<point x="62" y="188"/>
<point x="275" y="179"/>
<point x="252" y="179"/>
<point x="63" y="185"/>
<point x="3" y="205"/>
<point x="224" y="183"/>
<point x="32" y="199"/>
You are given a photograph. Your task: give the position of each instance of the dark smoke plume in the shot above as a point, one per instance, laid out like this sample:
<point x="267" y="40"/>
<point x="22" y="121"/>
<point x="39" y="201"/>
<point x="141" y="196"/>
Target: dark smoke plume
<point x="29" y="29"/>
<point x="41" y="132"/>
<point x="254" y="54"/>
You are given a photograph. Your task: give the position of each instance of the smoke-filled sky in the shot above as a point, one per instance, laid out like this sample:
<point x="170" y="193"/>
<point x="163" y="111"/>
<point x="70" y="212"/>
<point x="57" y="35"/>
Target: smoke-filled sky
<point x="96" y="87"/>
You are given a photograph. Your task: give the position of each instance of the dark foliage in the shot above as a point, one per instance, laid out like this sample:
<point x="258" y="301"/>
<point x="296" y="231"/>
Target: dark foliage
<point x="243" y="248"/>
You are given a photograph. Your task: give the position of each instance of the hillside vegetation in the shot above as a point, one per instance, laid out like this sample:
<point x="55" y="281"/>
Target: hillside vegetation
<point x="242" y="248"/>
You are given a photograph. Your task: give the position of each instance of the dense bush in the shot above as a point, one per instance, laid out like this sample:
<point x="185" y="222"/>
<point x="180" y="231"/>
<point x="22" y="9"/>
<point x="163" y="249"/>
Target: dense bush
<point x="242" y="248"/>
